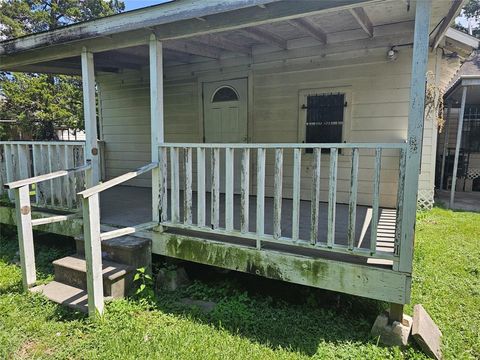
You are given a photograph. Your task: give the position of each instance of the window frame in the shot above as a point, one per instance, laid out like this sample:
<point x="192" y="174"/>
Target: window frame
<point x="302" y="113"/>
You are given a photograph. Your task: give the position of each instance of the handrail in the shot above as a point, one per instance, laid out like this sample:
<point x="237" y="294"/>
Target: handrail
<point x="116" y="181"/>
<point x="400" y="145"/>
<point x="46" y="142"/>
<point x="44" y="177"/>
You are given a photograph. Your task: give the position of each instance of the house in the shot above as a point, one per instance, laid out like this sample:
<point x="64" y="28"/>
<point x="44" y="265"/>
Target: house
<point x="458" y="151"/>
<point x="275" y="139"/>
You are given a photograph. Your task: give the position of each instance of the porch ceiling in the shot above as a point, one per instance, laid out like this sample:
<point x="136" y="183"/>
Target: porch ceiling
<point x="270" y="26"/>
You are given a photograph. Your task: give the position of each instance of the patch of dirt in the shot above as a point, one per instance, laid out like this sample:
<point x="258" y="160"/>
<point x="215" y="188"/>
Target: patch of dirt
<point x="29" y="347"/>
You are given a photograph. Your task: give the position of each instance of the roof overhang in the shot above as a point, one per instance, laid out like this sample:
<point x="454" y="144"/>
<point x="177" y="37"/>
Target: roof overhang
<point x="454" y="94"/>
<point x="173" y="20"/>
<point x="461" y="37"/>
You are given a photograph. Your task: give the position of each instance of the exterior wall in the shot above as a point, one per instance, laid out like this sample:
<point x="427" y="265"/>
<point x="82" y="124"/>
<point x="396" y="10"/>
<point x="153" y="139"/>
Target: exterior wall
<point x="378" y="113"/>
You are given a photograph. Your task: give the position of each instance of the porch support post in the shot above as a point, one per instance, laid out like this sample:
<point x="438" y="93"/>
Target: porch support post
<point x="90" y="115"/>
<point x="156" y="117"/>
<point x="414" y="134"/>
<point x="445" y="142"/>
<point x="457" y="146"/>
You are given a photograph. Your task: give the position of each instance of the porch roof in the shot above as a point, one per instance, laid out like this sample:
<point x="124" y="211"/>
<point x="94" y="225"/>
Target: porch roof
<point x="197" y="30"/>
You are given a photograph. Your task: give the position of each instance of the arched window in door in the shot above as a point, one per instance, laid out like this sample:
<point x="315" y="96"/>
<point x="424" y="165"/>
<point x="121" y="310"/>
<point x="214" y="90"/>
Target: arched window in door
<point x="225" y="93"/>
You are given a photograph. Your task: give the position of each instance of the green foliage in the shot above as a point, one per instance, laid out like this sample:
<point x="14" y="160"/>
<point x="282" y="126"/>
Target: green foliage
<point x="472" y="9"/>
<point x="144" y="283"/>
<point x="297" y="323"/>
<point x="40" y="103"/>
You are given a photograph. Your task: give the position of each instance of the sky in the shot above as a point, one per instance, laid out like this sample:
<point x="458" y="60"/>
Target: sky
<point x="135" y="4"/>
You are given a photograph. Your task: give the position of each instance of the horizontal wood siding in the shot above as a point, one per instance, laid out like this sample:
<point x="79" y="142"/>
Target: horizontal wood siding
<point x="125" y="122"/>
<point x="377" y="113"/>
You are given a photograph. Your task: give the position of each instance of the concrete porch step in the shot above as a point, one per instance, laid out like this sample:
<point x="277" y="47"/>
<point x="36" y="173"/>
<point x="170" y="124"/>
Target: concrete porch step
<point x="117" y="278"/>
<point x="131" y="250"/>
<point x="63" y="294"/>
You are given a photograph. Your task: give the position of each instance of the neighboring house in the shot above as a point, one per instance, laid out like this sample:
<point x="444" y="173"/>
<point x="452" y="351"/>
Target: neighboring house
<point x="468" y="149"/>
<point x="283" y="138"/>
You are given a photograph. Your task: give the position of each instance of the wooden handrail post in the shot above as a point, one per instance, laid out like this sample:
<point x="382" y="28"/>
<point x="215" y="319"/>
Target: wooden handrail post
<point x="25" y="235"/>
<point x="90" y="115"/>
<point x="93" y="254"/>
<point x="156" y="118"/>
<point x="414" y="134"/>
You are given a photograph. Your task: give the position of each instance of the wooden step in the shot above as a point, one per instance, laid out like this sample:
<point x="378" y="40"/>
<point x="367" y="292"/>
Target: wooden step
<point x="63" y="294"/>
<point x="117" y="278"/>
<point x="131" y="250"/>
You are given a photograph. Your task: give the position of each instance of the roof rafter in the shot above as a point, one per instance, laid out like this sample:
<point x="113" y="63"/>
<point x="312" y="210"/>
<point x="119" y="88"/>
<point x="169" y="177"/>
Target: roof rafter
<point x="309" y="27"/>
<point x="363" y="20"/>
<point x="265" y="36"/>
<point x="190" y="47"/>
<point x="222" y="42"/>
<point x="452" y="13"/>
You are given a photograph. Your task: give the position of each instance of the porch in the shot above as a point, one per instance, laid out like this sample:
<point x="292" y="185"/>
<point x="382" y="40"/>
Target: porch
<point x="266" y="195"/>
<point x="125" y="206"/>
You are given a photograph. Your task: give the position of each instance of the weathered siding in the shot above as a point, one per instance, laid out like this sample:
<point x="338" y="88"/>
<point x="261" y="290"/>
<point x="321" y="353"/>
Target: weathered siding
<point x="125" y="122"/>
<point x="378" y="112"/>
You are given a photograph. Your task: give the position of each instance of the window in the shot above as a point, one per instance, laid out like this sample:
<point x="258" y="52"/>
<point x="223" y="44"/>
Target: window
<point x="324" y="118"/>
<point x="225" y="93"/>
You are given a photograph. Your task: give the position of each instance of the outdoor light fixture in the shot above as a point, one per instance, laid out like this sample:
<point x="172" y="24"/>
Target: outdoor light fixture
<point x="392" y="54"/>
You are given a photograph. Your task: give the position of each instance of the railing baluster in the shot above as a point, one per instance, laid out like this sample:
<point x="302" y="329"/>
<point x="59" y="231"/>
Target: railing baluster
<point x="175" y="186"/>
<point x="400" y="193"/>
<point x="245" y="192"/>
<point x="260" y="225"/>
<point x="277" y="194"/>
<point x="297" y="171"/>
<point x="315" y="201"/>
<point x="9" y="168"/>
<point x="352" y="206"/>
<point x="163" y="193"/>
<point x="229" y="173"/>
<point x="375" y="200"/>
<point x="332" y="197"/>
<point x="200" y="186"/>
<point x="59" y="166"/>
<point x="69" y="189"/>
<point x="187" y="196"/>
<point x="3" y="170"/>
<point x="50" y="169"/>
<point x="215" y="208"/>
<point x="23" y="163"/>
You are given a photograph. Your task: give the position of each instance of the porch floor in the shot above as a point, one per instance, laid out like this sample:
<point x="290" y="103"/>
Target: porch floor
<point x="128" y="206"/>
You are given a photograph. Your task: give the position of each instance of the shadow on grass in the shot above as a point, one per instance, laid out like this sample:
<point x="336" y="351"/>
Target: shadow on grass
<point x="48" y="247"/>
<point x="271" y="312"/>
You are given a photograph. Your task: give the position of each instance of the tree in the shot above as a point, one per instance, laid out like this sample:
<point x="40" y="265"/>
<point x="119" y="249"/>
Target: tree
<point x="472" y="11"/>
<point x="42" y="102"/>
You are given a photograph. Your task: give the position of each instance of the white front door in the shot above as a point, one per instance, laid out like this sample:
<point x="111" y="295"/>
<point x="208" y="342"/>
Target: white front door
<point x="225" y="121"/>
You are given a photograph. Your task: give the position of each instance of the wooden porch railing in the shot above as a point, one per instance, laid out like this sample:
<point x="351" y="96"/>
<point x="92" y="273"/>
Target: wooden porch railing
<point x="25" y="223"/>
<point x="284" y="166"/>
<point x="25" y="159"/>
<point x="93" y="235"/>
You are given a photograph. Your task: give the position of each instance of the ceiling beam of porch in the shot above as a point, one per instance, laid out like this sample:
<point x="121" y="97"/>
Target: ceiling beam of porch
<point x="224" y="43"/>
<point x="172" y="55"/>
<point x="264" y="36"/>
<point x="309" y="27"/>
<point x="363" y="20"/>
<point x="189" y="47"/>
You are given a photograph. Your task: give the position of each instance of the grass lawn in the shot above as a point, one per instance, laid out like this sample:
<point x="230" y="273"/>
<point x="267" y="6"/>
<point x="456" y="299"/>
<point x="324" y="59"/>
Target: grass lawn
<point x="254" y="318"/>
